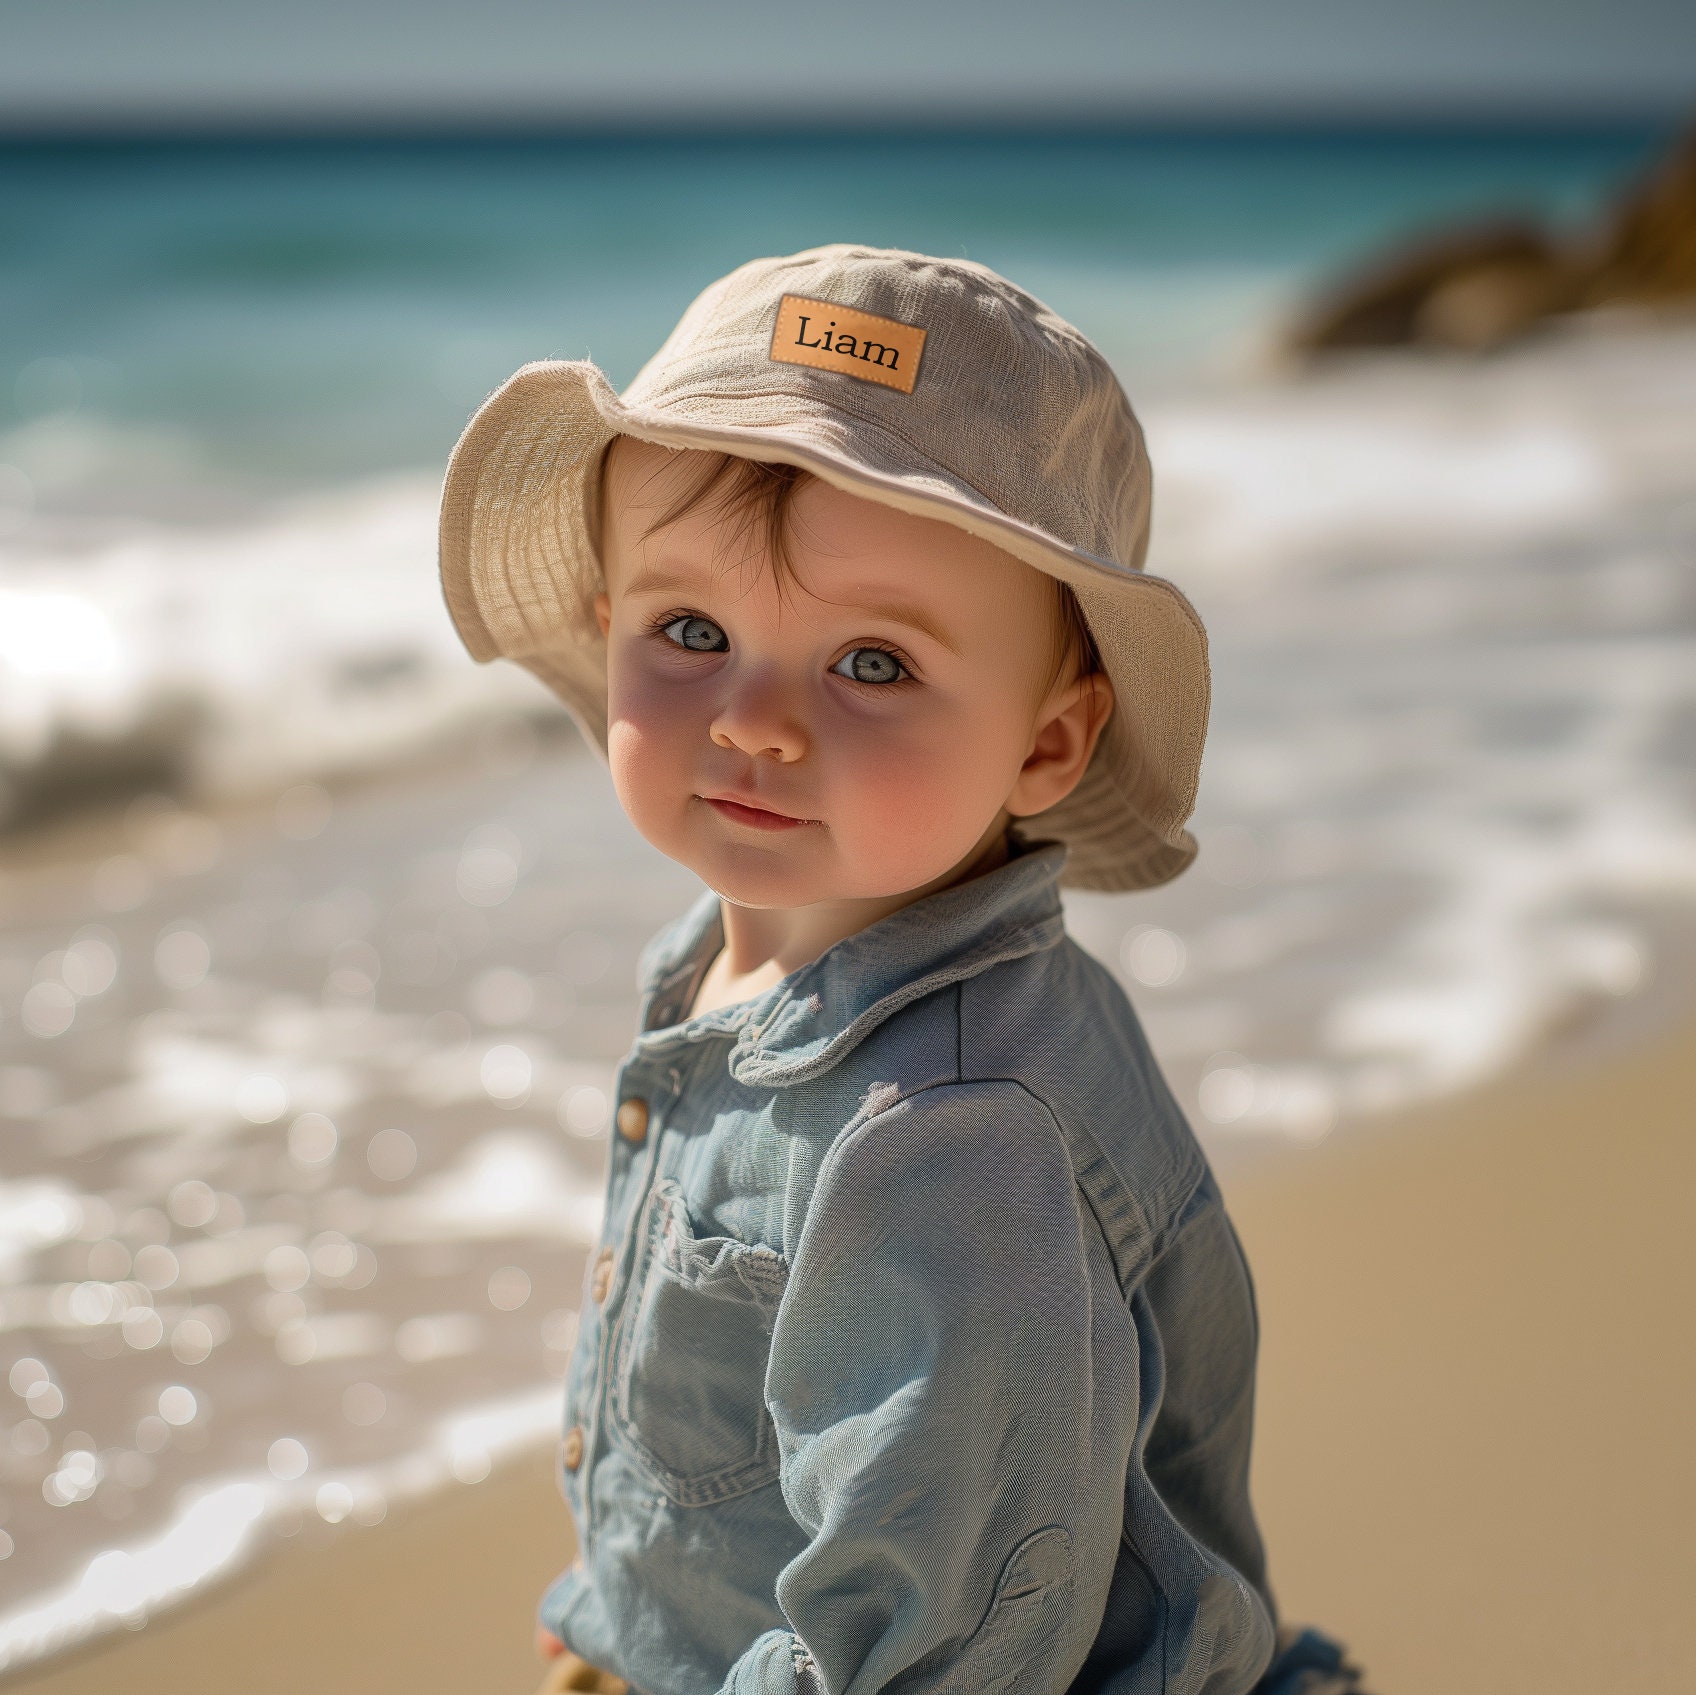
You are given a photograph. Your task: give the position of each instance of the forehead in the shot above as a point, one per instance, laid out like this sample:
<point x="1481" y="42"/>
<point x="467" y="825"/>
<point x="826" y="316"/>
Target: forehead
<point x="838" y="545"/>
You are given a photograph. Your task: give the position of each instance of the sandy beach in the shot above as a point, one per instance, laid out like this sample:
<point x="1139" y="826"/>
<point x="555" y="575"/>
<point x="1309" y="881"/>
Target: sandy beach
<point x="1473" y="1456"/>
<point x="1472" y="1460"/>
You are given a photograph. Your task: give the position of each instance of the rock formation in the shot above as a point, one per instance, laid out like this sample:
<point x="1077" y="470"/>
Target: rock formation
<point x="1478" y="285"/>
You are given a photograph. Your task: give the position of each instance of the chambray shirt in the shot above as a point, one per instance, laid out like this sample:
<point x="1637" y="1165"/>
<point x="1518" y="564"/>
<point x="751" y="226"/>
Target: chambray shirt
<point x="918" y="1354"/>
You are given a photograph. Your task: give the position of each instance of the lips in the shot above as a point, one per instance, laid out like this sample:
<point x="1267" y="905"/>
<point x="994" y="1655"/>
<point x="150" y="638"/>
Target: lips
<point x="753" y="817"/>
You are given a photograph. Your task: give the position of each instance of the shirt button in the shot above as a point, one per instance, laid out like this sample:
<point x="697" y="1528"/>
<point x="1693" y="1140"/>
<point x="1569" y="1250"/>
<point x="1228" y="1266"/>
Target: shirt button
<point x="633" y="1119"/>
<point x="571" y="1449"/>
<point x="601" y="1282"/>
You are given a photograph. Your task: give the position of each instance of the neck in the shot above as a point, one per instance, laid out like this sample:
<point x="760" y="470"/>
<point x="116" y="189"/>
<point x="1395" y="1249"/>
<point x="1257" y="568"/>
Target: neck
<point x="762" y="945"/>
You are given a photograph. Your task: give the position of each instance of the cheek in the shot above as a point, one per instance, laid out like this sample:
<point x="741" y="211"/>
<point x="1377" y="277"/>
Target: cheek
<point x="929" y="788"/>
<point x="651" y="733"/>
<point x="631" y="757"/>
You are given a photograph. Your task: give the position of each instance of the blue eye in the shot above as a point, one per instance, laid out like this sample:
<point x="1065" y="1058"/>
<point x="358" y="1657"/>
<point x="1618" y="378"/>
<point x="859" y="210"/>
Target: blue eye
<point x="699" y="635"/>
<point x="870" y="665"/>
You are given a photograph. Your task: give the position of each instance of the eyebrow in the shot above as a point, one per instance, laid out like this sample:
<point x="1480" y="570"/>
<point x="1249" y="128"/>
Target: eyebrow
<point x="659" y="582"/>
<point x="914" y="617"/>
<point x="890" y="611"/>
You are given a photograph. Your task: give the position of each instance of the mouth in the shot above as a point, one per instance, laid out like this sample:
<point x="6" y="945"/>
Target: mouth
<point x="753" y="817"/>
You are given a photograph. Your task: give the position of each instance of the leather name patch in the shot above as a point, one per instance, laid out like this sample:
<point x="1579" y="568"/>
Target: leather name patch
<point x="856" y="344"/>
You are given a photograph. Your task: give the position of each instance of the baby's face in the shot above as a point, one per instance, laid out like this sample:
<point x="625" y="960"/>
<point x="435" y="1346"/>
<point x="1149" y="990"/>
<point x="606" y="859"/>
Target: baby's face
<point x="854" y="732"/>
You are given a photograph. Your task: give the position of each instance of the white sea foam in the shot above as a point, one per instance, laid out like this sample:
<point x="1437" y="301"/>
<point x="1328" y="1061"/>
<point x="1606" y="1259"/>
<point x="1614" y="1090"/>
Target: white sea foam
<point x="1392" y="457"/>
<point x="1449" y="779"/>
<point x="123" y="1585"/>
<point x="311" y="642"/>
<point x="216" y="1522"/>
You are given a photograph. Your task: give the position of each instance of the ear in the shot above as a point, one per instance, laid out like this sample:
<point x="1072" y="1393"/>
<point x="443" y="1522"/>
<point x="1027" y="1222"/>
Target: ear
<point x="603" y="613"/>
<point x="1066" y="733"/>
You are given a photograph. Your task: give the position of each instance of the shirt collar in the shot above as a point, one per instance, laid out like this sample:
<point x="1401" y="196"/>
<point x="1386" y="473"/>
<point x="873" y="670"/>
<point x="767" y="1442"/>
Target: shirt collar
<point x="802" y="1026"/>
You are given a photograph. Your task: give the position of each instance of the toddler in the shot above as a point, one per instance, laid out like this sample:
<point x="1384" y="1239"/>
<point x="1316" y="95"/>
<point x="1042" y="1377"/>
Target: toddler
<point x="917" y="1353"/>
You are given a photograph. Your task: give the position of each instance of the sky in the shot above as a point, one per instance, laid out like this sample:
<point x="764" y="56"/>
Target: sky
<point x="119" y="63"/>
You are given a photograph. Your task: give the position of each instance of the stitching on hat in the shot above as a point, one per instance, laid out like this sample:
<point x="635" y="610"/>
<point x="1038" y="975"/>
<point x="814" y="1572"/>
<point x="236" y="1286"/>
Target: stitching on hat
<point x="871" y="422"/>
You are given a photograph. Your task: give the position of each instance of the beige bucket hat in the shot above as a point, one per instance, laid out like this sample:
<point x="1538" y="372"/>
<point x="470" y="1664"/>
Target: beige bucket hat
<point x="932" y="385"/>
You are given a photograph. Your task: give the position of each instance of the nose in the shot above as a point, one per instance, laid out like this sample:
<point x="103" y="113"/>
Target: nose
<point x="758" y="719"/>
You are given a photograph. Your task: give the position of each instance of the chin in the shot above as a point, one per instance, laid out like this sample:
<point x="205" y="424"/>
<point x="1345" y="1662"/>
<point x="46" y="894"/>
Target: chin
<point x="765" y="882"/>
<point x="758" y="882"/>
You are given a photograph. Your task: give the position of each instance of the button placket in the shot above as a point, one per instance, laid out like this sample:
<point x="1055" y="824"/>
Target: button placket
<point x="611" y="1296"/>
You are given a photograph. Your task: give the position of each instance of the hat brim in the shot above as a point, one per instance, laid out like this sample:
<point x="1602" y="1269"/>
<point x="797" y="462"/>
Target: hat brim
<point x="520" y="572"/>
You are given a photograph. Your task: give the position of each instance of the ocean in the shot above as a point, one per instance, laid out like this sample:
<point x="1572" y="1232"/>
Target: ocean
<point x="307" y="1030"/>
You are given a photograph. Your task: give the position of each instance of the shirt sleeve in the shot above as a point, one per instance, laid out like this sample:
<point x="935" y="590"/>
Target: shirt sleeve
<point x="930" y="1385"/>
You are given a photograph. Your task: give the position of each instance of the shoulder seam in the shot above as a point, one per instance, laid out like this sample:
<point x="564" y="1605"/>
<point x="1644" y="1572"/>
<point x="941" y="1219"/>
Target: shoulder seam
<point x="869" y="1115"/>
<point x="864" y="1119"/>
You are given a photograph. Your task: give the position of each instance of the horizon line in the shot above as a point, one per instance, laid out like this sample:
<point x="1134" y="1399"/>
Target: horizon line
<point x="1281" y="118"/>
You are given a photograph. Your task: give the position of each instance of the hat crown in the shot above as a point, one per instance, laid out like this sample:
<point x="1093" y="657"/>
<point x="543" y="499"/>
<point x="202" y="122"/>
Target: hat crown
<point x="1005" y="397"/>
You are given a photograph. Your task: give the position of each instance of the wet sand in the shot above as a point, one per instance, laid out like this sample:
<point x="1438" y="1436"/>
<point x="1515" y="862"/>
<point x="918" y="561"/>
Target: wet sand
<point x="439" y="1597"/>
<point x="1473" y="1460"/>
<point x="448" y="1200"/>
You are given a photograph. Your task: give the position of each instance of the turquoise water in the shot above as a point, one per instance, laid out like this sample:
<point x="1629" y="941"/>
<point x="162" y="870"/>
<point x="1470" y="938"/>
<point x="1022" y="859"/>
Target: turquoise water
<point x="208" y="321"/>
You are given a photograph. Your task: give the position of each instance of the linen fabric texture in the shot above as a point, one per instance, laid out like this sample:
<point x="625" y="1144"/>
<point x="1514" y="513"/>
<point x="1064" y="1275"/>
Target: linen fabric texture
<point x="927" y="1360"/>
<point x="1015" y="430"/>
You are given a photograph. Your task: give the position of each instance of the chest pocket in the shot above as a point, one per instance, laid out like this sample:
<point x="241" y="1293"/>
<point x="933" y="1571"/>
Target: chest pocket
<point x="690" y="1358"/>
